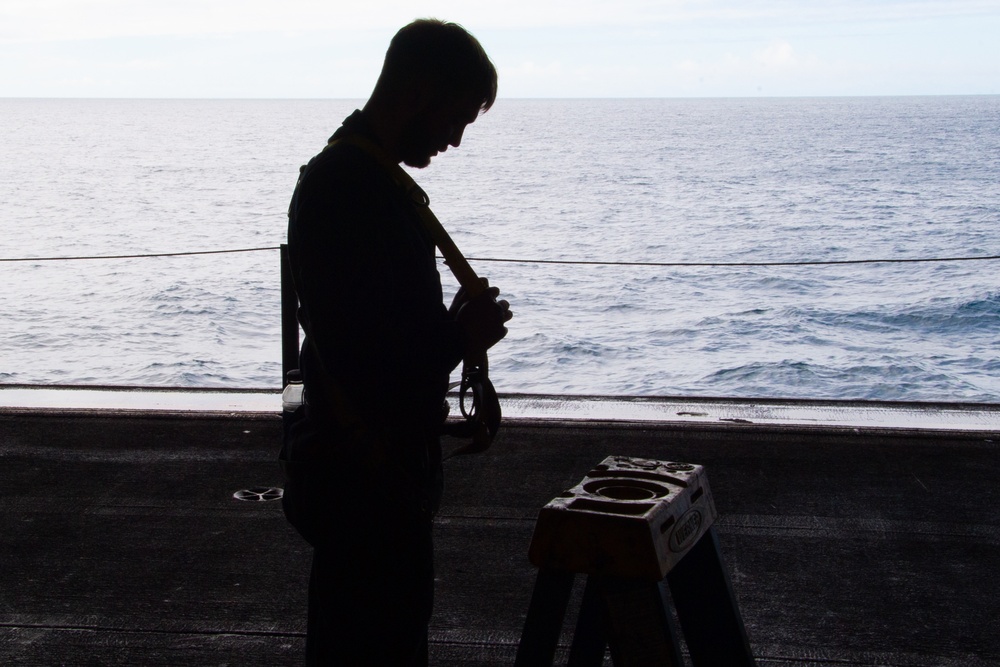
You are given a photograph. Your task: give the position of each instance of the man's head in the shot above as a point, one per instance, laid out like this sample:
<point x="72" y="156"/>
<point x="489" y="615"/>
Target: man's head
<point x="443" y="56"/>
<point x="436" y="79"/>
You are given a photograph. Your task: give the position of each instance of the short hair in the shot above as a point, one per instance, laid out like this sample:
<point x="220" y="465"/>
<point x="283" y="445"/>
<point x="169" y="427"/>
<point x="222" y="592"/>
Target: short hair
<point x="446" y="53"/>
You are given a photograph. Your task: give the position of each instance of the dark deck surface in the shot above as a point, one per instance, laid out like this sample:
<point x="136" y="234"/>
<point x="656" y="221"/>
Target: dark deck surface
<point x="122" y="543"/>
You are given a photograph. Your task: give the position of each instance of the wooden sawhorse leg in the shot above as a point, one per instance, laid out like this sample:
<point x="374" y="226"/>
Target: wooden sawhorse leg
<point x="706" y="607"/>
<point x="633" y="620"/>
<point x="545" y="618"/>
<point x="631" y="617"/>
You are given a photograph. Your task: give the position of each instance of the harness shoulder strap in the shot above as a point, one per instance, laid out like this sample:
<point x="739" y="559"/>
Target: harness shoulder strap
<point x="453" y="257"/>
<point x="482" y="413"/>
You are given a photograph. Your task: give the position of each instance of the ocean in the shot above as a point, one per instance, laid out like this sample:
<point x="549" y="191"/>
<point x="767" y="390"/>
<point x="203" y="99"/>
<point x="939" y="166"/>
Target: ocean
<point x="639" y="240"/>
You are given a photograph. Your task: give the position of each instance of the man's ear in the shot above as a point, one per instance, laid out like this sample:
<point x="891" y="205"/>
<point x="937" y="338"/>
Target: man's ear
<point x="421" y="92"/>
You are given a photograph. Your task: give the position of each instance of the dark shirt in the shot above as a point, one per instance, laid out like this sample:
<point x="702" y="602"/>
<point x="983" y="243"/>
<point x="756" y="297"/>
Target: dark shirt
<point x="370" y="299"/>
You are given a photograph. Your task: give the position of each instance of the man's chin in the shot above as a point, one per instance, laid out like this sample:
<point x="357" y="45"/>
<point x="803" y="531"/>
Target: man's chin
<point x="417" y="162"/>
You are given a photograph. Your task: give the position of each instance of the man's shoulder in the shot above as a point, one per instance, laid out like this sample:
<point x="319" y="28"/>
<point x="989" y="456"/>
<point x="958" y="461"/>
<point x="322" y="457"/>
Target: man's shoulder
<point x="344" y="169"/>
<point x="337" y="157"/>
<point x="343" y="181"/>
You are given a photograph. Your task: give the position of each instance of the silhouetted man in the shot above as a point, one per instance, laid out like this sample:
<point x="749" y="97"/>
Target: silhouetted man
<point x="364" y="455"/>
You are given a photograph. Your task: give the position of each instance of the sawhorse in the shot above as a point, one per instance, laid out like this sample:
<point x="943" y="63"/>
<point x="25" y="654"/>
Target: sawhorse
<point x="636" y="528"/>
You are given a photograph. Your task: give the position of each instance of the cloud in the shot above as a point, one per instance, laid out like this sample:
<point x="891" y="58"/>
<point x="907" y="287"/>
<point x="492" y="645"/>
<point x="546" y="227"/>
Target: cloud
<point x="48" y="20"/>
<point x="543" y="48"/>
<point x="140" y="65"/>
<point x="531" y="70"/>
<point x="777" y="54"/>
<point x="775" y="68"/>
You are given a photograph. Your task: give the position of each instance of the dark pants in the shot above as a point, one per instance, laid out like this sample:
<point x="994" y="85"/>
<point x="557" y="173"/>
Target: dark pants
<point x="371" y="589"/>
<point x="370" y="598"/>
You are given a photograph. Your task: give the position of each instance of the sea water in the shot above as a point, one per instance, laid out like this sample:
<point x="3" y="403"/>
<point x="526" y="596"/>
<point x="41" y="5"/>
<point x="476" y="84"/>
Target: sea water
<point x="643" y="234"/>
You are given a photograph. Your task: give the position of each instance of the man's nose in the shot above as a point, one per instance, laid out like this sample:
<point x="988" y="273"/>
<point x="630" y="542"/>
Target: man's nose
<point x="456" y="136"/>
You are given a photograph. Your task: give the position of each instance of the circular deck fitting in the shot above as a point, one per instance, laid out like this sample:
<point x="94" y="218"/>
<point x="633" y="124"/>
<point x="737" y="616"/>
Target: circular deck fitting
<point x="259" y="494"/>
<point x="624" y="488"/>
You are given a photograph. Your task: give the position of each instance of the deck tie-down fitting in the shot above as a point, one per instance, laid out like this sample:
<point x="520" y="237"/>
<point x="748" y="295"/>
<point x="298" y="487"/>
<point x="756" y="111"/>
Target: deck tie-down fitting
<point x="259" y="494"/>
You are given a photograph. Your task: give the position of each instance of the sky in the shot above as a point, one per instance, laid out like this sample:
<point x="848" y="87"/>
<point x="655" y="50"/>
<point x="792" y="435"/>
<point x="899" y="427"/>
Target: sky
<point x="542" y="48"/>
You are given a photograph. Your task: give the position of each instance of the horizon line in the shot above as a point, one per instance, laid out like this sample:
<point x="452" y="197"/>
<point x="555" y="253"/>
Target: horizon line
<point x="517" y="98"/>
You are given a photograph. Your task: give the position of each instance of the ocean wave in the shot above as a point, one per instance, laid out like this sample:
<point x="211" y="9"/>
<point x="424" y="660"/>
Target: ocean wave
<point x="628" y="180"/>
<point x="938" y="316"/>
<point x="890" y="380"/>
